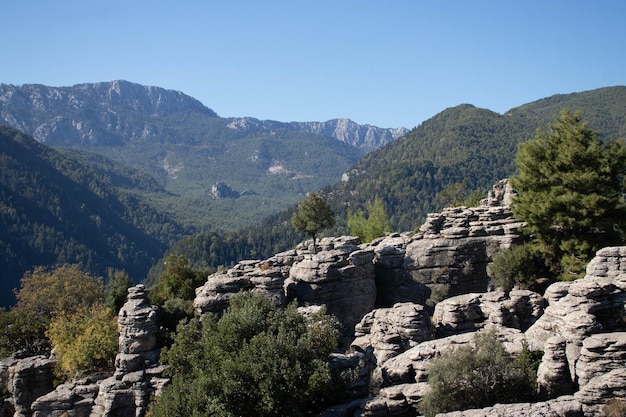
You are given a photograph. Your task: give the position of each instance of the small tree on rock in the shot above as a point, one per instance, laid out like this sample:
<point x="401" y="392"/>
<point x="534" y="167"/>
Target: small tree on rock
<point x="313" y="214"/>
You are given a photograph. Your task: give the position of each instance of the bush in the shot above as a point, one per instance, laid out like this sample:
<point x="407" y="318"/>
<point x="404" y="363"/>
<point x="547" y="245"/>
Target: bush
<point x="475" y="377"/>
<point x="257" y="360"/>
<point x="516" y="267"/>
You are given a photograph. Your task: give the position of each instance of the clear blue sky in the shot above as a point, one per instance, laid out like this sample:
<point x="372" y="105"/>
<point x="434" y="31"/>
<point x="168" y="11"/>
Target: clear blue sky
<point x="386" y="63"/>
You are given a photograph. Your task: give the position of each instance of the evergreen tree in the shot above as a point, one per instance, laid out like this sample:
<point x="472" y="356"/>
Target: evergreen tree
<point x="570" y="188"/>
<point x="313" y="214"/>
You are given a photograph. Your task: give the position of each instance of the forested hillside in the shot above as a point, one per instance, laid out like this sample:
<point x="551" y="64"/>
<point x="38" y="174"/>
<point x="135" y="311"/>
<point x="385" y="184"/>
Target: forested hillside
<point x="461" y="145"/>
<point x="69" y="207"/>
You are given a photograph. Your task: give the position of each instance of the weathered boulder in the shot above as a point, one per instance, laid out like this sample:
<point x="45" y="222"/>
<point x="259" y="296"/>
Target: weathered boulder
<point x="566" y="406"/>
<point x="71" y="399"/>
<point x="27" y="380"/>
<point x="553" y="375"/>
<point x="470" y="312"/>
<point x="412" y="365"/>
<point x="599" y="390"/>
<point x="266" y="276"/>
<point x="391" y="331"/>
<point x="579" y="309"/>
<point x="340" y="277"/>
<point x="600" y="354"/>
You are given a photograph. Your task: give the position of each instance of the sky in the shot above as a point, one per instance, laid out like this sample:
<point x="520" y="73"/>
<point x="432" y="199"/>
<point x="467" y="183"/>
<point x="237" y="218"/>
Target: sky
<point x="385" y="63"/>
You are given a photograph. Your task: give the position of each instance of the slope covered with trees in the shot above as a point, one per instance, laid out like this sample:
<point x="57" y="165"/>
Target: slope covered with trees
<point x="463" y="145"/>
<point x="55" y="208"/>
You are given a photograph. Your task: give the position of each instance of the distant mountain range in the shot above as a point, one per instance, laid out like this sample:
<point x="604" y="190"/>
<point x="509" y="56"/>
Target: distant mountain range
<point x="188" y="148"/>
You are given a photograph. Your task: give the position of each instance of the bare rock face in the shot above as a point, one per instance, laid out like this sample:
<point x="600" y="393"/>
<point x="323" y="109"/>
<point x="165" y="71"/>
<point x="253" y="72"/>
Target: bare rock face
<point x="471" y="312"/>
<point x="553" y="375"/>
<point x="566" y="406"/>
<point x="27" y="380"/>
<point x="266" y="276"/>
<point x="74" y="398"/>
<point x="340" y="276"/>
<point x="579" y="309"/>
<point x="391" y="331"/>
<point x="448" y="256"/>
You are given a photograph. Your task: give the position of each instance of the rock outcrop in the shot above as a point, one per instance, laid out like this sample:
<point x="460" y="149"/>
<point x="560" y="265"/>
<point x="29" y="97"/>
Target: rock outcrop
<point x="28" y="379"/>
<point x="449" y="254"/>
<point x="137" y="371"/>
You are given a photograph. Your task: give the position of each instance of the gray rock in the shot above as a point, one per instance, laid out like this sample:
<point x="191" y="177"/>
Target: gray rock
<point x="566" y="406"/>
<point x="27" y="380"/>
<point x="391" y="331"/>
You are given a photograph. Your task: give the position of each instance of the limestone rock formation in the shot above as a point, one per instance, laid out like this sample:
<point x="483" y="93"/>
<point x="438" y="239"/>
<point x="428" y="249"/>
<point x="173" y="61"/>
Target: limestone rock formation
<point x="341" y="278"/>
<point x="137" y="371"/>
<point x="449" y="254"/>
<point x="470" y="312"/>
<point x="28" y="379"/>
<point x="391" y="331"/>
<point x="74" y="398"/>
<point x="579" y="309"/>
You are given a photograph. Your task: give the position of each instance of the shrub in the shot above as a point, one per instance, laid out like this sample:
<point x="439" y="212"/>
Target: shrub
<point x="475" y="377"/>
<point x="257" y="360"/>
<point x="614" y="408"/>
<point x="516" y="267"/>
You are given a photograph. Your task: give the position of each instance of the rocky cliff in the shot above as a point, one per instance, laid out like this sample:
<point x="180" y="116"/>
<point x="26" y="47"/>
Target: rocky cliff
<point x="398" y="314"/>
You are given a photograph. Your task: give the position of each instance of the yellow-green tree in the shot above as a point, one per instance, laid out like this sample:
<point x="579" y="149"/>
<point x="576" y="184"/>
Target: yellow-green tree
<point x="376" y="224"/>
<point x="45" y="293"/>
<point x="84" y="341"/>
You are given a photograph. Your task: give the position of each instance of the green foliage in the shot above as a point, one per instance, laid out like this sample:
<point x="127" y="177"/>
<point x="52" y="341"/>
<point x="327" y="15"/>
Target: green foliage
<point x="178" y="281"/>
<point x="376" y="224"/>
<point x="116" y="289"/>
<point x="570" y="187"/>
<point x="257" y="360"/>
<point x="85" y="341"/>
<point x="475" y="377"/>
<point x="174" y="292"/>
<point x="312" y="215"/>
<point x="518" y="266"/>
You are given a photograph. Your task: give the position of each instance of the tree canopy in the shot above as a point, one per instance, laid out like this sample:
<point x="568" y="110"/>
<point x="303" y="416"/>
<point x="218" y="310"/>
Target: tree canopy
<point x="571" y="187"/>
<point x="313" y="214"/>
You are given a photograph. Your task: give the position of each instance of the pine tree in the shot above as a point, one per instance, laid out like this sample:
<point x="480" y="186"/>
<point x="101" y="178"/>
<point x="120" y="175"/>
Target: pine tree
<point x="313" y="214"/>
<point x="570" y="187"/>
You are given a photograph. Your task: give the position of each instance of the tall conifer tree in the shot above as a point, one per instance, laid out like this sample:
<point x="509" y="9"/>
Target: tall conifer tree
<point x="571" y="189"/>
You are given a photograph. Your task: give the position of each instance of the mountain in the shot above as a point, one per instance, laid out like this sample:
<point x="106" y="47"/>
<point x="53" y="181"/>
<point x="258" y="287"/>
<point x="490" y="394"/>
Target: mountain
<point x="463" y="144"/>
<point x="366" y="137"/>
<point x="70" y="207"/>
<point x="189" y="149"/>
